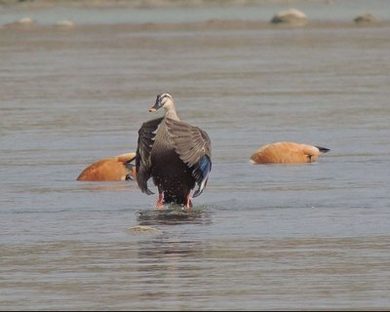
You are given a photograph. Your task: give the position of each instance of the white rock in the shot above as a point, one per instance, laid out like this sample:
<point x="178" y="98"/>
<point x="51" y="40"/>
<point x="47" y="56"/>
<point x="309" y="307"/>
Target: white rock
<point x="25" y="21"/>
<point x="290" y="16"/>
<point x="65" y="23"/>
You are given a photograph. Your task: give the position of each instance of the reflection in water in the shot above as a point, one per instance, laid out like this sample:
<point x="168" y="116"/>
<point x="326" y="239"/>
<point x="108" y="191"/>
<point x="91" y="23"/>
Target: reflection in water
<point x="170" y="264"/>
<point x="164" y="249"/>
<point x="169" y="268"/>
<point x="105" y="186"/>
<point x="173" y="214"/>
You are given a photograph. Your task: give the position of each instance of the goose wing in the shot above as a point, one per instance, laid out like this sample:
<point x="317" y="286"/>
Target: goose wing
<point x="146" y="135"/>
<point x="193" y="146"/>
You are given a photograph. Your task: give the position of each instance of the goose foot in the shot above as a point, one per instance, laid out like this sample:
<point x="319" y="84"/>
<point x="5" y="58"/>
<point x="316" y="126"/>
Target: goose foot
<point x="160" y="201"/>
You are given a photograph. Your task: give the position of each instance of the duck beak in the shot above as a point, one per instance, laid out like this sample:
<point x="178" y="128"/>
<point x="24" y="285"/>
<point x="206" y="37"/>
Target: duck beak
<point x="156" y="106"/>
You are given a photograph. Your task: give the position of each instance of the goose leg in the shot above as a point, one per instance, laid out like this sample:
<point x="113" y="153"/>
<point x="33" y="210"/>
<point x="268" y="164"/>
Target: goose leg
<point x="160" y="201"/>
<point x="188" y="204"/>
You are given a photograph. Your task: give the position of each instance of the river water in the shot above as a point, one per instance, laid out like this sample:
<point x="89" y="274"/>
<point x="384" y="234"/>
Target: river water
<point x="313" y="236"/>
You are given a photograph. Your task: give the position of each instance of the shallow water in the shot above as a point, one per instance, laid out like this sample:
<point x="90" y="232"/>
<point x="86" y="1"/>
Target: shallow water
<point x="311" y="236"/>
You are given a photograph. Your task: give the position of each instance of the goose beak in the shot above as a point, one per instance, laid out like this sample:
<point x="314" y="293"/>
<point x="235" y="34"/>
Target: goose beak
<point x="157" y="105"/>
<point x="154" y="107"/>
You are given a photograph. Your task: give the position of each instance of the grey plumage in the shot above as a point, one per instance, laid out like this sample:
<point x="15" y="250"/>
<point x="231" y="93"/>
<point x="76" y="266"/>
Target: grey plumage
<point x="175" y="154"/>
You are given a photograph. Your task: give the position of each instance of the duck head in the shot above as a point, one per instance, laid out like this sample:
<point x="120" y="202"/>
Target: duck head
<point x="164" y="100"/>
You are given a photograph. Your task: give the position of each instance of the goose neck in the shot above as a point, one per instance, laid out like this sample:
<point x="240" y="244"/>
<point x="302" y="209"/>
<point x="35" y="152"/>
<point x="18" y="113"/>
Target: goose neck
<point x="171" y="113"/>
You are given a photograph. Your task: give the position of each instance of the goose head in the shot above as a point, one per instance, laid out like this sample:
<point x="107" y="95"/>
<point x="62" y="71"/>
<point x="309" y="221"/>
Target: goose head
<point x="164" y="100"/>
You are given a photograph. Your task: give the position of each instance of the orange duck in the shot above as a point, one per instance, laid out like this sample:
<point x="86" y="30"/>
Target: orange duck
<point x="118" y="168"/>
<point x="287" y="153"/>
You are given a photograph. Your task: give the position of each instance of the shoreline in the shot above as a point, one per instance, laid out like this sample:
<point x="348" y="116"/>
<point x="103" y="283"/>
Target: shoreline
<point x="198" y="26"/>
<point x="37" y="4"/>
<point x="141" y="14"/>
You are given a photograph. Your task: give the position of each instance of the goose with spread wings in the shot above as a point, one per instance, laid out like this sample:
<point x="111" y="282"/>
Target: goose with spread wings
<point x="175" y="154"/>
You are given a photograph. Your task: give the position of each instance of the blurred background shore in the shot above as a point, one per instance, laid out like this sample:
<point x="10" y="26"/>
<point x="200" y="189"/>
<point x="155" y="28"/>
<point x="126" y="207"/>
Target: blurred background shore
<point x="212" y="13"/>
<point x="154" y="3"/>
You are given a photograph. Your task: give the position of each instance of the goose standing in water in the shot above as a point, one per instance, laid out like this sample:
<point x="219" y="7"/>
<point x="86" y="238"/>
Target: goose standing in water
<point x="175" y="154"/>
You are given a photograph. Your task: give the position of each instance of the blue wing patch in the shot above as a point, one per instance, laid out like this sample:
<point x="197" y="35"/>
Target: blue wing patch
<point x="201" y="173"/>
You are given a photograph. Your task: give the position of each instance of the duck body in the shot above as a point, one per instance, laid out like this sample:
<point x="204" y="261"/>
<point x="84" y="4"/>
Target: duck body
<point x="287" y="152"/>
<point x="174" y="178"/>
<point x="175" y="154"/>
<point x="117" y="168"/>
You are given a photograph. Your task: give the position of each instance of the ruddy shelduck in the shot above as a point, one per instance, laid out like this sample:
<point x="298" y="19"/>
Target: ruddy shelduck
<point x="286" y="152"/>
<point x="118" y="168"/>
